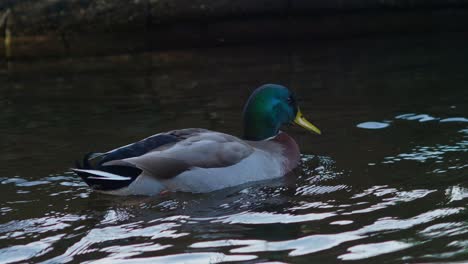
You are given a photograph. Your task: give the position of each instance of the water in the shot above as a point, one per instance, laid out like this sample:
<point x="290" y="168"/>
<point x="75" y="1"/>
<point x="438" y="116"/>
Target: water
<point x="386" y="182"/>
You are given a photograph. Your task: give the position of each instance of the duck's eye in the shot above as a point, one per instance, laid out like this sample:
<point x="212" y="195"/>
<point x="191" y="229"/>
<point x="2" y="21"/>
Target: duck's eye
<point x="290" y="100"/>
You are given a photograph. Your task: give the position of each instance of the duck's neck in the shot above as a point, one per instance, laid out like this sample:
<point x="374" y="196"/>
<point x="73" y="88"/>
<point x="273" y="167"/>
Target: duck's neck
<point x="258" y="132"/>
<point x="259" y="124"/>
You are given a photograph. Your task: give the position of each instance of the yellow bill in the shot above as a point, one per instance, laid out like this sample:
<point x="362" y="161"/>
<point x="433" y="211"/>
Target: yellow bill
<point x="300" y="120"/>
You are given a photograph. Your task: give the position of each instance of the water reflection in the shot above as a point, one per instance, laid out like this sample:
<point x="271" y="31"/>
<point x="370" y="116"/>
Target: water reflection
<point x="456" y="193"/>
<point x="374" y="249"/>
<point x="372" y="125"/>
<point x="301" y="246"/>
<point x="417" y="117"/>
<point x="25" y="252"/>
<point x="187" y="258"/>
<point x="269" y="218"/>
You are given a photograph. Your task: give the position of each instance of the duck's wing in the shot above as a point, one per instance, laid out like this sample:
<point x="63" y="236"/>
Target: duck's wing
<point x="109" y="170"/>
<point x="194" y="149"/>
<point x="149" y="144"/>
<point x="166" y="155"/>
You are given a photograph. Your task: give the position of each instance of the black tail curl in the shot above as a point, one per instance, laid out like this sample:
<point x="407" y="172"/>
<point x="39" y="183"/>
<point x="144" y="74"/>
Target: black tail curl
<point x="101" y="183"/>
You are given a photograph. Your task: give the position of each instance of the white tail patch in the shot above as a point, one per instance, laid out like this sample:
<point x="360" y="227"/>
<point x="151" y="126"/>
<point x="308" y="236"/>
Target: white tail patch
<point x="102" y="175"/>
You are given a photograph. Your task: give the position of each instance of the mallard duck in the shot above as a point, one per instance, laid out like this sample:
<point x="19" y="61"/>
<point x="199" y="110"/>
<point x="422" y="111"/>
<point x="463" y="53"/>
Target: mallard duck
<point x="199" y="160"/>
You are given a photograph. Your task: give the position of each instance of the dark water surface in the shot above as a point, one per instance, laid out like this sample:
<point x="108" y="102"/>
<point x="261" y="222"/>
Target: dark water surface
<point x="385" y="183"/>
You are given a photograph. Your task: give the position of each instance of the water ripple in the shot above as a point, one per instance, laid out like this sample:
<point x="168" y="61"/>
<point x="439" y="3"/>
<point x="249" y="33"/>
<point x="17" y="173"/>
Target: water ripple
<point x="425" y="153"/>
<point x="100" y="236"/>
<point x="269" y="218"/>
<point x="372" y="125"/>
<point x="21" y="253"/>
<point x="364" y="251"/>
<point x="186" y="258"/>
<point x="417" y="117"/>
<point x="300" y="246"/>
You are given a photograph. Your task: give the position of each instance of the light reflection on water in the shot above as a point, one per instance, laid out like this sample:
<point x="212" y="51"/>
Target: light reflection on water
<point x="129" y="233"/>
<point x="373" y="249"/>
<point x="386" y="182"/>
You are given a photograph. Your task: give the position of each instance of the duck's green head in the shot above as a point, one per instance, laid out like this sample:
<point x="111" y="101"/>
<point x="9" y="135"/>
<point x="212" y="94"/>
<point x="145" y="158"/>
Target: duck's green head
<point x="269" y="107"/>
